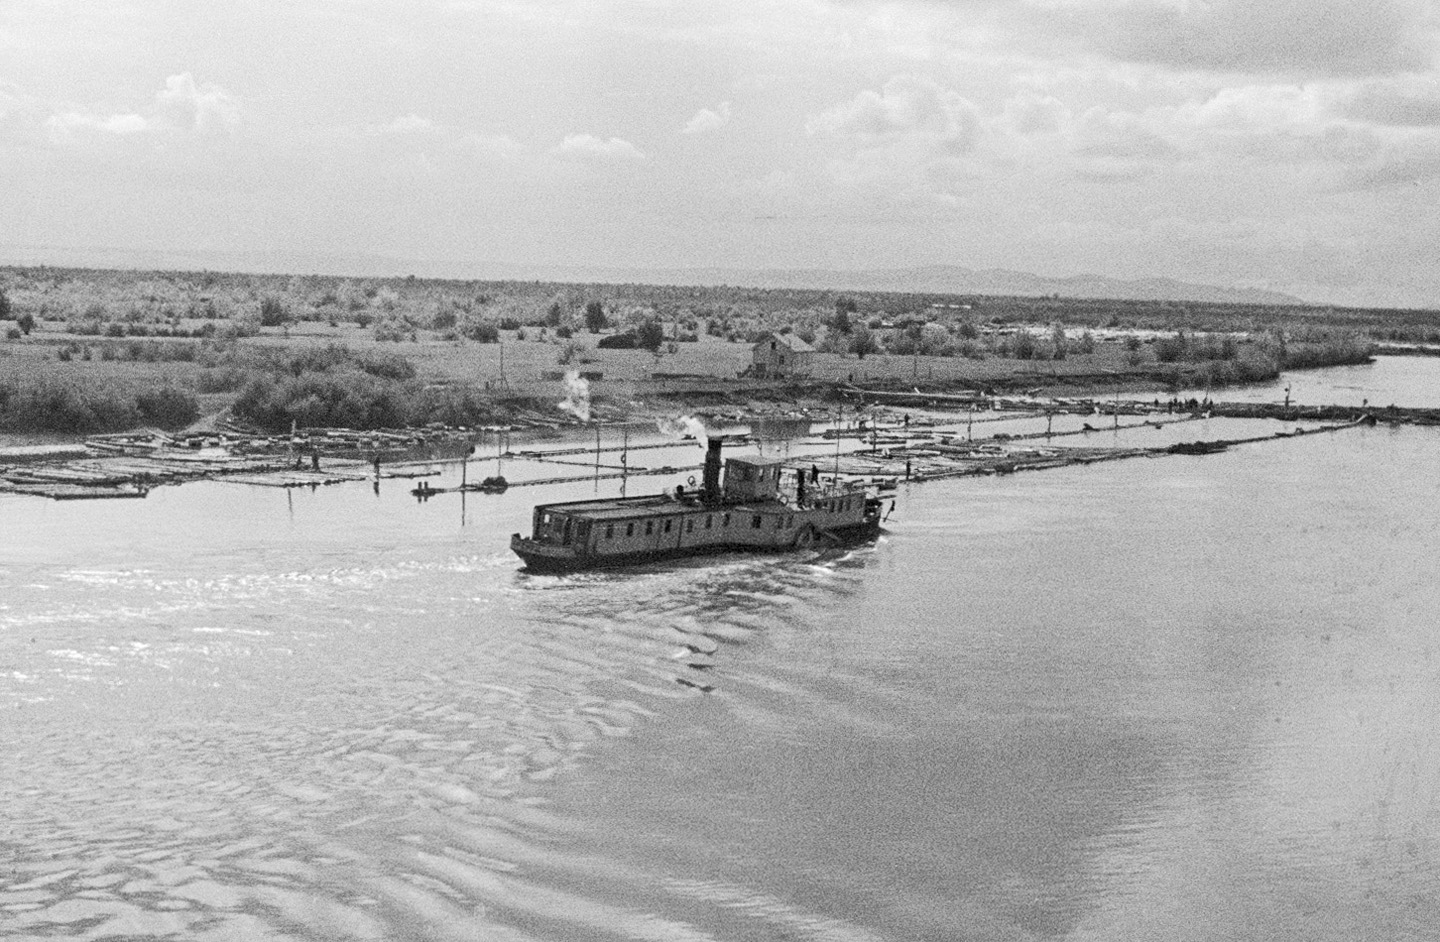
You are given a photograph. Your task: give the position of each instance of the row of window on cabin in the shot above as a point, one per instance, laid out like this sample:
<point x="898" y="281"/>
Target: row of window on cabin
<point x="650" y="525"/>
<point x="756" y="521"/>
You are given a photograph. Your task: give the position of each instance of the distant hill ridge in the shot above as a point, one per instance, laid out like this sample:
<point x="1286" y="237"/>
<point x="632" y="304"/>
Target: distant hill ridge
<point x="927" y="279"/>
<point x="951" y="279"/>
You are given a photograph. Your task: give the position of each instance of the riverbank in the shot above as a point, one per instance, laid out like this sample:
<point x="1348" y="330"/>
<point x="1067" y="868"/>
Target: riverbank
<point x="63" y="403"/>
<point x="107" y="352"/>
<point x="873" y="430"/>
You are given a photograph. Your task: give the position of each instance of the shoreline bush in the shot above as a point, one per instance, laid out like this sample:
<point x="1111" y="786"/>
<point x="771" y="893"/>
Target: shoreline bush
<point x="86" y="407"/>
<point x="328" y="386"/>
<point x="338" y="398"/>
<point x="1335" y="351"/>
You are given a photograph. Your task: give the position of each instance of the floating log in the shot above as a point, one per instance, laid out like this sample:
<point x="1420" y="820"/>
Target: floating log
<point x="293" y="478"/>
<point x="74" y="491"/>
<point x="1197" y="448"/>
<point x="131" y="464"/>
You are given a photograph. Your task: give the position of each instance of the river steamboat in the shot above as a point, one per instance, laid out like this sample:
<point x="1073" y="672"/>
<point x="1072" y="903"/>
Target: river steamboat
<point x="761" y="506"/>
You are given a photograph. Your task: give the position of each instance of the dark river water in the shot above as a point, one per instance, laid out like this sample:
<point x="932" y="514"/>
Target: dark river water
<point x="1172" y="698"/>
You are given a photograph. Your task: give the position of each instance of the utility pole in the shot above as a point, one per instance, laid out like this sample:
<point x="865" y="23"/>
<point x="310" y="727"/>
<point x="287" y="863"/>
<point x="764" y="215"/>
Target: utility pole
<point x="624" y="459"/>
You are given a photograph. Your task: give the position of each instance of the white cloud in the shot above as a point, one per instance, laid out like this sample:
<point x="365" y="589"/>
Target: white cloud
<point x="588" y="145"/>
<point x="203" y="107"/>
<point x="914" y="141"/>
<point x="1032" y="113"/>
<point x="1256" y="108"/>
<point x="181" y="106"/>
<point x="706" y="120"/>
<point x="1268" y="124"/>
<point x="68" y="122"/>
<point x="1018" y="113"/>
<point x="1239" y="130"/>
<point x="909" y="107"/>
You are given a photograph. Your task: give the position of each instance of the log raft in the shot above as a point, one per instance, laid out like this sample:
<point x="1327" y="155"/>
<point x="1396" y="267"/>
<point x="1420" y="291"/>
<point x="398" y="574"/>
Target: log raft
<point x="129" y="466"/>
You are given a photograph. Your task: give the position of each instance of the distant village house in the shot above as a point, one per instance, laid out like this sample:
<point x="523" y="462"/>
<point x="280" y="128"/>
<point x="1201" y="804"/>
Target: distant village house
<point x="776" y="356"/>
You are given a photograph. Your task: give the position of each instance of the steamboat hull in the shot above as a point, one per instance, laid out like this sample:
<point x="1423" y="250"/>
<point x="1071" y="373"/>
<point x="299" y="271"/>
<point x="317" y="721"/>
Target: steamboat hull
<point x="761" y="507"/>
<point x="548" y="559"/>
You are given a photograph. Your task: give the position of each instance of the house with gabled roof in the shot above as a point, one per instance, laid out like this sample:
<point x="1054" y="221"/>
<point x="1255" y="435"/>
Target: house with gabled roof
<point x="777" y="356"/>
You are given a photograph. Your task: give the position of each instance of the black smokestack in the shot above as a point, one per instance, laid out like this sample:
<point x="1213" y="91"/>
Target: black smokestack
<point x="711" y="482"/>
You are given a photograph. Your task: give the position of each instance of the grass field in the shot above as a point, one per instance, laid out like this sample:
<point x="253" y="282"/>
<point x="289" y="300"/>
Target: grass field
<point x="121" y="334"/>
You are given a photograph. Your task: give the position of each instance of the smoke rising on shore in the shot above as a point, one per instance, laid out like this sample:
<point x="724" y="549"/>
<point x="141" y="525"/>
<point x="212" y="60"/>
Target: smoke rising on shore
<point x="577" y="396"/>
<point x="681" y="426"/>
<point x="773" y="434"/>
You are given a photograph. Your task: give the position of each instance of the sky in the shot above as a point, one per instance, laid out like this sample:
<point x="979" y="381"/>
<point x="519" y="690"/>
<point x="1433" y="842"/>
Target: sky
<point x="1285" y="144"/>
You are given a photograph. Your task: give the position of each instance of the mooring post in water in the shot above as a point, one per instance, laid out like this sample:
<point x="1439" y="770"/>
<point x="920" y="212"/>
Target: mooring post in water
<point x="970" y="423"/>
<point x="597" y="455"/>
<point x="624" y="458"/>
<point x="1049" y="419"/>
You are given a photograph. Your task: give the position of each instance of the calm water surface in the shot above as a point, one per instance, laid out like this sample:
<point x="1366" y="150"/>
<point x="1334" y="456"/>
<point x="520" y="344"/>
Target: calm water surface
<point x="1181" y="698"/>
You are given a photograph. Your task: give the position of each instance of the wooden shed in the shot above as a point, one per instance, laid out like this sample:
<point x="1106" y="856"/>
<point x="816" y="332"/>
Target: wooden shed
<point x="775" y="356"/>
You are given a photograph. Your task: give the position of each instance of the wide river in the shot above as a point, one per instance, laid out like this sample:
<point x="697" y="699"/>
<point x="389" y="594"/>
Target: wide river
<point x="1176" y="698"/>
